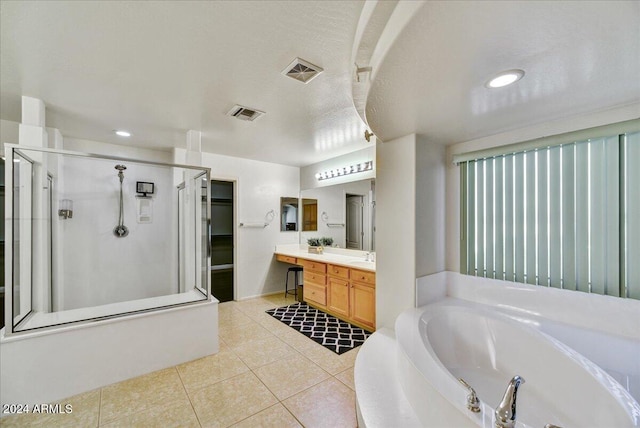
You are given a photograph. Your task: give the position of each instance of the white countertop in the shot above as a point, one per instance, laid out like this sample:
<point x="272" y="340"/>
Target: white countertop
<point x="338" y="256"/>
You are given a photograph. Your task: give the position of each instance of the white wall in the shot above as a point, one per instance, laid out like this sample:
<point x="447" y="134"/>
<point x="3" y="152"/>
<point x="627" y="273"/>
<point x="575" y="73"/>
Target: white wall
<point x="100" y="268"/>
<point x="100" y="148"/>
<point x="395" y="229"/>
<point x="332" y="200"/>
<point x="430" y="207"/>
<point x="259" y="188"/>
<point x="554" y="127"/>
<point x="410" y="231"/>
<point x="8" y="133"/>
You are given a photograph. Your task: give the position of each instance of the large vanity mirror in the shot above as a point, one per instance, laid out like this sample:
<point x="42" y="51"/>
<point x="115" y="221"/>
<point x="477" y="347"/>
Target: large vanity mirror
<point x="344" y="212"/>
<point x="289" y="214"/>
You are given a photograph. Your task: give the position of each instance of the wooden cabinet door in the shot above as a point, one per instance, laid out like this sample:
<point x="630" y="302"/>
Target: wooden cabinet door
<point x="315" y="293"/>
<point x="363" y="304"/>
<point x="338" y="296"/>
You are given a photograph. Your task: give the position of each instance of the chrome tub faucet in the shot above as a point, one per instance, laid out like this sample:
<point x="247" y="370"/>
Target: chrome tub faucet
<point x="505" y="413"/>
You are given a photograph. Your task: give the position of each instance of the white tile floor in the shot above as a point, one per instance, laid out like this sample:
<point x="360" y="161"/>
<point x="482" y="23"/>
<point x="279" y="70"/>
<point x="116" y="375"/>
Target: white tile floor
<point x="265" y="375"/>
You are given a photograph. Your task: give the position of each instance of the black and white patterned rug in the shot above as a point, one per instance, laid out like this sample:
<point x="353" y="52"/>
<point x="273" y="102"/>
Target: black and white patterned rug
<point x="332" y="333"/>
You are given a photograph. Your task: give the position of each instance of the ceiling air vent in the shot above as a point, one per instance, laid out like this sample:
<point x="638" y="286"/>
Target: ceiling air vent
<point x="245" y="113"/>
<point x="302" y="71"/>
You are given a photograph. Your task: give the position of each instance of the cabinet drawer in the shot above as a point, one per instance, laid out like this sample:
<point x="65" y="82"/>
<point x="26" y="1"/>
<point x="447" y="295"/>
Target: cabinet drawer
<point x="363" y="276"/>
<point x="339" y="271"/>
<point x="315" y="293"/>
<point x="313" y="266"/>
<point x="314" y="278"/>
<point x="286" y="259"/>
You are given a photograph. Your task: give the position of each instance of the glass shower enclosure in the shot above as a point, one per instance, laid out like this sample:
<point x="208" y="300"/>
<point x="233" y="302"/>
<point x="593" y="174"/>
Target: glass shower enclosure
<point x="90" y="237"/>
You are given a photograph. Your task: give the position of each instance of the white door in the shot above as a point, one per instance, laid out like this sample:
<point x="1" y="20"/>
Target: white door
<point x="355" y="234"/>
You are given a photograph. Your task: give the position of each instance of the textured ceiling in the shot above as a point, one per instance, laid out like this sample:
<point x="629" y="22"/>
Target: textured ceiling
<point x="161" y="68"/>
<point x="579" y="57"/>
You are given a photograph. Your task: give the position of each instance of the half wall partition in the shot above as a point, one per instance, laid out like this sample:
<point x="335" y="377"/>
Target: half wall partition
<point x="90" y="237"/>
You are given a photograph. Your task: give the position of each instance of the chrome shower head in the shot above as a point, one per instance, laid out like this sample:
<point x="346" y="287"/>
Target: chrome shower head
<point x="121" y="168"/>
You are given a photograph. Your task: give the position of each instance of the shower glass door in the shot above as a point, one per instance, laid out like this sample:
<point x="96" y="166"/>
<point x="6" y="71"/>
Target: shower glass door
<point x="94" y="237"/>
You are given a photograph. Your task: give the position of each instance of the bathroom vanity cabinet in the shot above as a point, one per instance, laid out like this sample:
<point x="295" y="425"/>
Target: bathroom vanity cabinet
<point x="362" y="298"/>
<point x="315" y="282"/>
<point x="347" y="293"/>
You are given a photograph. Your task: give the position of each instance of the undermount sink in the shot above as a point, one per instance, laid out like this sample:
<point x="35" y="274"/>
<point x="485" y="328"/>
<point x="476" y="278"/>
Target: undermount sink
<point x="364" y="263"/>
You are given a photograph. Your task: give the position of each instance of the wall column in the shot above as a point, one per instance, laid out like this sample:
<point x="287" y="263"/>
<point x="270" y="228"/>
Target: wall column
<point x="395" y="229"/>
<point x="410" y="221"/>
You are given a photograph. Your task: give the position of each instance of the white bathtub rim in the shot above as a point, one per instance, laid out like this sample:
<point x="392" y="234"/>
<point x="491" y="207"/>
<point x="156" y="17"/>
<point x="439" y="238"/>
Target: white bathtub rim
<point x="619" y="316"/>
<point x="440" y="411"/>
<point x="380" y="401"/>
<point x="410" y="327"/>
<point x="410" y="343"/>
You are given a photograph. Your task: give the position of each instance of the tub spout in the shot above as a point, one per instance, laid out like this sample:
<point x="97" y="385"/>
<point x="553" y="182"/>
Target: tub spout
<point x="505" y="413"/>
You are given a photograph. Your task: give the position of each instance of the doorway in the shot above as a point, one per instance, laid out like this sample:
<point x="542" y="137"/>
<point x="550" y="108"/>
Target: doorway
<point x="354" y="225"/>
<point x="222" y="240"/>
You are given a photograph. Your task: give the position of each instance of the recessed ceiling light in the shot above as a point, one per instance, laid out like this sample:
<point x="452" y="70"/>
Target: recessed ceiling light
<point x="123" y="133"/>
<point x="505" y="78"/>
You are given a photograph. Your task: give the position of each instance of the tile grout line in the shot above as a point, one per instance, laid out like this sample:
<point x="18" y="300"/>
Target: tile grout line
<point x="217" y="382"/>
<point x="302" y="390"/>
<point x="144" y="409"/>
<point x="100" y="407"/>
<point x="253" y="371"/>
<point x="294" y="416"/>
<point x="296" y="353"/>
<point x="342" y="382"/>
<point x="334" y="376"/>
<point x="188" y="396"/>
<point x="281" y="402"/>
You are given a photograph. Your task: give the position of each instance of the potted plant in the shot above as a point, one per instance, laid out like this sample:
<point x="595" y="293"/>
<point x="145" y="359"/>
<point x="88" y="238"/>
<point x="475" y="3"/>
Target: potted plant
<point x="326" y="242"/>
<point x="315" y="246"/>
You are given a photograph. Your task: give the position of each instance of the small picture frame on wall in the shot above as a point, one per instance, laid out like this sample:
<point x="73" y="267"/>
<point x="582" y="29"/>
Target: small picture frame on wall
<point x="145" y="188"/>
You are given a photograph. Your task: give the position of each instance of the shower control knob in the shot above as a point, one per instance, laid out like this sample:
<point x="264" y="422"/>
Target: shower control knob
<point x="121" y="231"/>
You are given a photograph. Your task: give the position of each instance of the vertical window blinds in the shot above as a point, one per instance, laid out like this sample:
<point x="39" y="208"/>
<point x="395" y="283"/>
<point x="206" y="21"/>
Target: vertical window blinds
<point x="566" y="216"/>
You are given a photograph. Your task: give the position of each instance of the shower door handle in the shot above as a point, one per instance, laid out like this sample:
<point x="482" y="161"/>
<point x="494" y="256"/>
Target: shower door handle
<point x="209" y="250"/>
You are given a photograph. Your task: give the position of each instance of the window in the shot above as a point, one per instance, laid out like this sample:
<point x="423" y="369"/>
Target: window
<point x="564" y="215"/>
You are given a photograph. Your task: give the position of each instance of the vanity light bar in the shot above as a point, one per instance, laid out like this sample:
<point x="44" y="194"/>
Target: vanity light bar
<point x="347" y="170"/>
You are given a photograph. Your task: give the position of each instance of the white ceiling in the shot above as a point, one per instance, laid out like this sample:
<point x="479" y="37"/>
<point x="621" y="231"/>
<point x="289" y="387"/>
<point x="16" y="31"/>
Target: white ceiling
<point x="161" y="68"/>
<point x="579" y="57"/>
